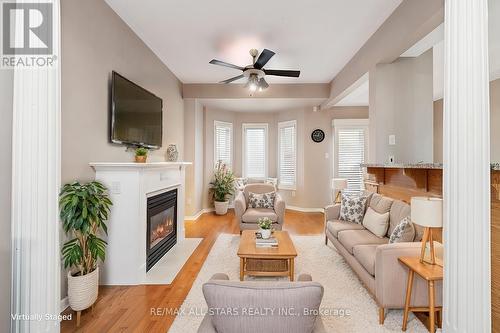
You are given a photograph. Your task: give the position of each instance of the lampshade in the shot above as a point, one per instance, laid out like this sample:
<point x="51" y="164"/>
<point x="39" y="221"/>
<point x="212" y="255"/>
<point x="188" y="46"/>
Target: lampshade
<point x="339" y="183"/>
<point x="427" y="212"/>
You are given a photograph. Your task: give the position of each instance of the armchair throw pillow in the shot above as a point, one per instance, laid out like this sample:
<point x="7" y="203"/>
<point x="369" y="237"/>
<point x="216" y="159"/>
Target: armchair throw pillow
<point x="261" y="200"/>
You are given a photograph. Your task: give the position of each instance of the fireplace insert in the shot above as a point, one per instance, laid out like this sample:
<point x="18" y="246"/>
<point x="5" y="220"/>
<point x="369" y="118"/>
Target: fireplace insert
<point x="161" y="234"/>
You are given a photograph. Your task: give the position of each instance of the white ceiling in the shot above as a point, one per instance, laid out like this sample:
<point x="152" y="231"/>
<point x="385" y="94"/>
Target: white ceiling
<point x="317" y="37"/>
<point x="261" y="104"/>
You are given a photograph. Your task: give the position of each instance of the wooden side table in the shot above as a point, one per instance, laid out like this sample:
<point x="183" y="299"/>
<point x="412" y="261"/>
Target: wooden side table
<point x="430" y="273"/>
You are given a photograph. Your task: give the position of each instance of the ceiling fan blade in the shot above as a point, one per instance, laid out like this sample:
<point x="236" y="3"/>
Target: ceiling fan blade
<point x="225" y="64"/>
<point x="264" y="57"/>
<point x="232" y="79"/>
<point x="278" y="72"/>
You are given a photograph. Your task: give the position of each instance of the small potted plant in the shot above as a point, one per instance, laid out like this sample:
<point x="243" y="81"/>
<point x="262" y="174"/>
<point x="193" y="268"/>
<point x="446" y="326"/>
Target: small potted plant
<point x="265" y="225"/>
<point x="141" y="155"/>
<point x="84" y="208"/>
<point x="222" y="186"/>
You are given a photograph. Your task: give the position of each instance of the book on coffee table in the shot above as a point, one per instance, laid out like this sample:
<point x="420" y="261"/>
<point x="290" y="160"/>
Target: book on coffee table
<point x="270" y="242"/>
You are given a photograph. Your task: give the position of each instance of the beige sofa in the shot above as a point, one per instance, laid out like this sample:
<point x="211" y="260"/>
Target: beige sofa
<point x="247" y="217"/>
<point x="301" y="297"/>
<point x="374" y="260"/>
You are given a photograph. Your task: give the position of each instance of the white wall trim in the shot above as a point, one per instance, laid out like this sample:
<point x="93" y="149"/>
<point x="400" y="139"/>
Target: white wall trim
<point x="36" y="170"/>
<point x="64" y="304"/>
<point x="200" y="213"/>
<point x="305" y="209"/>
<point x="466" y="171"/>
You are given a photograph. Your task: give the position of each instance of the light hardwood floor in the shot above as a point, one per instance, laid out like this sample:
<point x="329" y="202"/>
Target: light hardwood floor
<point x="128" y="308"/>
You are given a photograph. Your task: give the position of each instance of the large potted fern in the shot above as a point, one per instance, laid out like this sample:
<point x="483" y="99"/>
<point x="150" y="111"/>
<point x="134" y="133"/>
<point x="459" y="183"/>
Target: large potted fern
<point x="222" y="186"/>
<point x="84" y="208"/>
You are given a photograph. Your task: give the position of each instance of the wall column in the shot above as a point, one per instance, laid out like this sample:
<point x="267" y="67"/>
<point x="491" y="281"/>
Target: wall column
<point x="466" y="139"/>
<point x="35" y="186"/>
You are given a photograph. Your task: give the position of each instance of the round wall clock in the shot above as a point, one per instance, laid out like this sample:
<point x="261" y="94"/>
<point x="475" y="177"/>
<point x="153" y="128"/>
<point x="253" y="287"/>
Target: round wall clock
<point x="318" y="135"/>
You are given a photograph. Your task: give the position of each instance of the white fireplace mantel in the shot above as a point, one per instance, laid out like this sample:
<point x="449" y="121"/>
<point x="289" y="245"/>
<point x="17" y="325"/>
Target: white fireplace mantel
<point x="130" y="184"/>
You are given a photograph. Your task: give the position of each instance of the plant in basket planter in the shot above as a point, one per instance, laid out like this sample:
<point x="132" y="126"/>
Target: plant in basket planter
<point x="222" y="186"/>
<point x="266" y="227"/>
<point x="84" y="208"/>
<point x="141" y="155"/>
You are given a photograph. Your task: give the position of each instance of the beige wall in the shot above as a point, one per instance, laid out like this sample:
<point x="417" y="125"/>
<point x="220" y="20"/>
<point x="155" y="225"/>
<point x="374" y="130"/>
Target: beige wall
<point x="402" y="106"/>
<point x="96" y="41"/>
<point x="495" y="120"/>
<point x="438" y="131"/>
<point x="314" y="169"/>
<point x="494" y="124"/>
<point x="194" y="138"/>
<point x="407" y="25"/>
<point x="6" y="84"/>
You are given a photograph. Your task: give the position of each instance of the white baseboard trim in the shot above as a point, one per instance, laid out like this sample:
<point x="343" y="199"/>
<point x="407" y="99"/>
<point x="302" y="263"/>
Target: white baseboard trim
<point x="305" y="210"/>
<point x="209" y="210"/>
<point x="197" y="215"/>
<point x="64" y="304"/>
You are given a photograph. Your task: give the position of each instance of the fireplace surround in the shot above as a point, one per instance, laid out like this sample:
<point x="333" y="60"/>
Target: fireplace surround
<point x="161" y="219"/>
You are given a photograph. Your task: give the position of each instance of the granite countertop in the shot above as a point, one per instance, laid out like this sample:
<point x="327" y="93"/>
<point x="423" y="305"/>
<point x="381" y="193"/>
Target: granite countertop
<point x="404" y="165"/>
<point x="494" y="166"/>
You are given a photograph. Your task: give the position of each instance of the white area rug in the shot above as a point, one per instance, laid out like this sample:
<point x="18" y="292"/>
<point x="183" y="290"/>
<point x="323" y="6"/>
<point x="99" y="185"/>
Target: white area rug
<point x="343" y="290"/>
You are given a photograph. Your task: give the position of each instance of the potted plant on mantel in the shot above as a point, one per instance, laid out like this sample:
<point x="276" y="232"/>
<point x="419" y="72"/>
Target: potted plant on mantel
<point x="222" y="187"/>
<point x="141" y="155"/>
<point x="84" y="208"/>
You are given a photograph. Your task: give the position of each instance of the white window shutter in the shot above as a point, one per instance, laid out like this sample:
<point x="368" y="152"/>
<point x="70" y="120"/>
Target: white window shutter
<point x="223" y="142"/>
<point x="287" y="154"/>
<point x="351" y="153"/>
<point x="255" y="150"/>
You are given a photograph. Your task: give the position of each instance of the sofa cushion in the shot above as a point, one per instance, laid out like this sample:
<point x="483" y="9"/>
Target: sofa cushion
<point x="335" y="226"/>
<point x="252" y="215"/>
<point x="376" y="222"/>
<point x="350" y="238"/>
<point x="399" y="210"/>
<point x="380" y="204"/>
<point x="352" y="208"/>
<point x="365" y="255"/>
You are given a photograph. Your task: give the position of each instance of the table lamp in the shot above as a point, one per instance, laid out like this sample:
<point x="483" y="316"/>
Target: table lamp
<point x="338" y="184"/>
<point x="428" y="213"/>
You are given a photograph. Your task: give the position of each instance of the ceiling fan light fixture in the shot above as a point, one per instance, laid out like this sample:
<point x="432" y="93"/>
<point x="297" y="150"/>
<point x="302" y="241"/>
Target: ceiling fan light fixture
<point x="253" y="82"/>
<point x="263" y="84"/>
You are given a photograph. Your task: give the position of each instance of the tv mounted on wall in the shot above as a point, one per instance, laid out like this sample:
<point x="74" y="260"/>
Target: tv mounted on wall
<point x="136" y="114"/>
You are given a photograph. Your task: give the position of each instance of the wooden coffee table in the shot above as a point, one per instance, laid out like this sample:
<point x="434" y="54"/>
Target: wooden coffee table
<point x="263" y="261"/>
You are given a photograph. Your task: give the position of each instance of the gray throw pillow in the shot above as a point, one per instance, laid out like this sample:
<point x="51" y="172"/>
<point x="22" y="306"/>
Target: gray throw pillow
<point x="404" y="232"/>
<point x="352" y="208"/>
<point x="264" y="200"/>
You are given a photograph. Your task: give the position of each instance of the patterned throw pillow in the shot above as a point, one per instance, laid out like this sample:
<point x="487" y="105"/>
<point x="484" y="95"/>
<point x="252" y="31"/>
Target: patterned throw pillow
<point x="404" y="232"/>
<point x="352" y="208"/>
<point x="264" y="200"/>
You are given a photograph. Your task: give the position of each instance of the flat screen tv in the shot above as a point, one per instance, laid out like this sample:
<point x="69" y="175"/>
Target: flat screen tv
<point x="136" y="114"/>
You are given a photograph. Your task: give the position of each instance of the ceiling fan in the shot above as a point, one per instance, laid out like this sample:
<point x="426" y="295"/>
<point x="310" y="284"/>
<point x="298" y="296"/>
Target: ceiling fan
<point x="255" y="73"/>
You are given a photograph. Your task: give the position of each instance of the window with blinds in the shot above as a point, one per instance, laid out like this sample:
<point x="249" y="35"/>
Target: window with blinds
<point x="351" y="148"/>
<point x="223" y="142"/>
<point x="287" y="154"/>
<point x="255" y="150"/>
